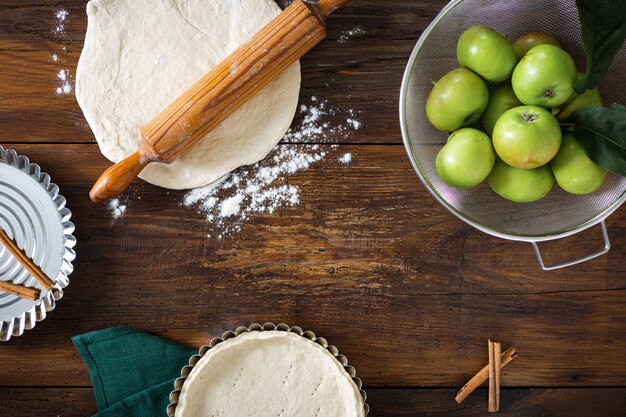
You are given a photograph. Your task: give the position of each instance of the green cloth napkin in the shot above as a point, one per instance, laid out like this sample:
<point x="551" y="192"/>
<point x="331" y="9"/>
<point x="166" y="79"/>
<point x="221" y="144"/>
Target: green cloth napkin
<point x="132" y="372"/>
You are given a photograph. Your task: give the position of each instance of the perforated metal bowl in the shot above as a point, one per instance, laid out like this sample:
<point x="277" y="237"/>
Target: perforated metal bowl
<point x="559" y="214"/>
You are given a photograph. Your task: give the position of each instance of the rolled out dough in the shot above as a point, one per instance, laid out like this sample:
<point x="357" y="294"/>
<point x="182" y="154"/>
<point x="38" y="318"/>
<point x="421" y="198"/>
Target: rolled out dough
<point x="269" y="374"/>
<point x="140" y="55"/>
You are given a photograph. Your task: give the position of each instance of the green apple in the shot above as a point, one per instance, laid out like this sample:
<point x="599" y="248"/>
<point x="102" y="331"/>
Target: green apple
<point x="528" y="41"/>
<point x="575" y="172"/>
<point x="458" y="99"/>
<point x="527" y="137"/>
<point x="501" y="99"/>
<point x="487" y="53"/>
<point x="590" y="98"/>
<point x="545" y="77"/>
<point x="467" y="159"/>
<point x="521" y="185"/>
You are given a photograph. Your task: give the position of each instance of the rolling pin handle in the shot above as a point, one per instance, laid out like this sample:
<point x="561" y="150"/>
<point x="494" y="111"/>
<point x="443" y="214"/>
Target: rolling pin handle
<point x="115" y="180"/>
<point x="326" y="7"/>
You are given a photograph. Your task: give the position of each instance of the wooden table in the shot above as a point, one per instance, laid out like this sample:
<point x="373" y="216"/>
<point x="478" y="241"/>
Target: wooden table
<point x="368" y="259"/>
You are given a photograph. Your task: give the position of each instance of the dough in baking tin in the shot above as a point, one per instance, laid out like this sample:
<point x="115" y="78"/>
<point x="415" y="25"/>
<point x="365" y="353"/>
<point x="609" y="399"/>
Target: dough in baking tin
<point x="269" y="373"/>
<point x="140" y="55"/>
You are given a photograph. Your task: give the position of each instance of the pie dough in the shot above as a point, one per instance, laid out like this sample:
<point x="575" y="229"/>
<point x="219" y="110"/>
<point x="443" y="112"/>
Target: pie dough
<point x="140" y="55"/>
<point x="269" y="373"/>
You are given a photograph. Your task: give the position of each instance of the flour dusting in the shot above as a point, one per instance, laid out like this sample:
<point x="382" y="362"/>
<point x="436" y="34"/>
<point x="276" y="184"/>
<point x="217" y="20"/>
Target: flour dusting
<point x="356" y="124"/>
<point x="260" y="188"/>
<point x="351" y="33"/>
<point x="61" y="16"/>
<point x="317" y="122"/>
<point x="117" y="209"/>
<point x="64" y="79"/>
<point x="346" y="159"/>
<point x="264" y="187"/>
<point x="231" y="206"/>
<point x="65" y="85"/>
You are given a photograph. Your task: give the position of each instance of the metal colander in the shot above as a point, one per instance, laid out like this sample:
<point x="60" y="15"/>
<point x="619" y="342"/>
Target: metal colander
<point x="559" y="214"/>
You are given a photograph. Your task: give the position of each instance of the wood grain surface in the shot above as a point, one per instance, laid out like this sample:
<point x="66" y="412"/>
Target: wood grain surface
<point x="368" y="259"/>
<point x="583" y="402"/>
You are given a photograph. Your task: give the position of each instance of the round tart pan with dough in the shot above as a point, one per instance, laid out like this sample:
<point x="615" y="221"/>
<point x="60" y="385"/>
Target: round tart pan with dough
<point x="141" y="55"/>
<point x="268" y="371"/>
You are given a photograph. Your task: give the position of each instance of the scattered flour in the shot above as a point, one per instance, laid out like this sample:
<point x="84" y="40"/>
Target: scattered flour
<point x="61" y="16"/>
<point x="117" y="209"/>
<point x="356" y="124"/>
<point x="317" y="124"/>
<point x="231" y="206"/>
<point x="351" y="33"/>
<point x="264" y="187"/>
<point x="260" y="188"/>
<point x="64" y="86"/>
<point x="346" y="159"/>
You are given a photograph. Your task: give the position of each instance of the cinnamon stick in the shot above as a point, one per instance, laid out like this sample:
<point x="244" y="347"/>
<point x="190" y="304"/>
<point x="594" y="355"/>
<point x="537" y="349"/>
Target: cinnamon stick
<point x="497" y="352"/>
<point x="492" y="377"/>
<point x="21" y="291"/>
<point x="28" y="264"/>
<point x="483" y="375"/>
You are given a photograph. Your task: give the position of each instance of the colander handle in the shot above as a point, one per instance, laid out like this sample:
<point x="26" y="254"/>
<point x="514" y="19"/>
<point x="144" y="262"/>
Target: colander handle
<point x="607" y="247"/>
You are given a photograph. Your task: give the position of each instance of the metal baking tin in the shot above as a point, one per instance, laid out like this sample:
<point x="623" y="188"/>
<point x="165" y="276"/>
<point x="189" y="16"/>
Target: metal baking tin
<point x="34" y="214"/>
<point x="186" y="371"/>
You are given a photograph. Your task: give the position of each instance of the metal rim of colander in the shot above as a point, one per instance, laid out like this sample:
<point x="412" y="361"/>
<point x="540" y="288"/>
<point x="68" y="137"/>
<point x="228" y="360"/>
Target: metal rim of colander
<point x="458" y="214"/>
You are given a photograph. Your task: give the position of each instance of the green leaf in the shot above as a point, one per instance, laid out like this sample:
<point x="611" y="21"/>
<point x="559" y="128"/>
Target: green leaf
<point x="602" y="132"/>
<point x="603" y="26"/>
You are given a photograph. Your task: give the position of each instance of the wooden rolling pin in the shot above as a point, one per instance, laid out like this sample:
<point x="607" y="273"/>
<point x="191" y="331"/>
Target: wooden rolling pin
<point x="221" y="92"/>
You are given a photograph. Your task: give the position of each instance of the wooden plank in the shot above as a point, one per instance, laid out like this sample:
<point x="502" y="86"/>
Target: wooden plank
<point x="587" y="402"/>
<point x="361" y="74"/>
<point x="31" y="111"/>
<point x="584" y="402"/>
<point x="47" y="402"/>
<point x="374" y="212"/>
<point x="391" y="340"/>
<point x="405" y="290"/>
<point x="397" y="19"/>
